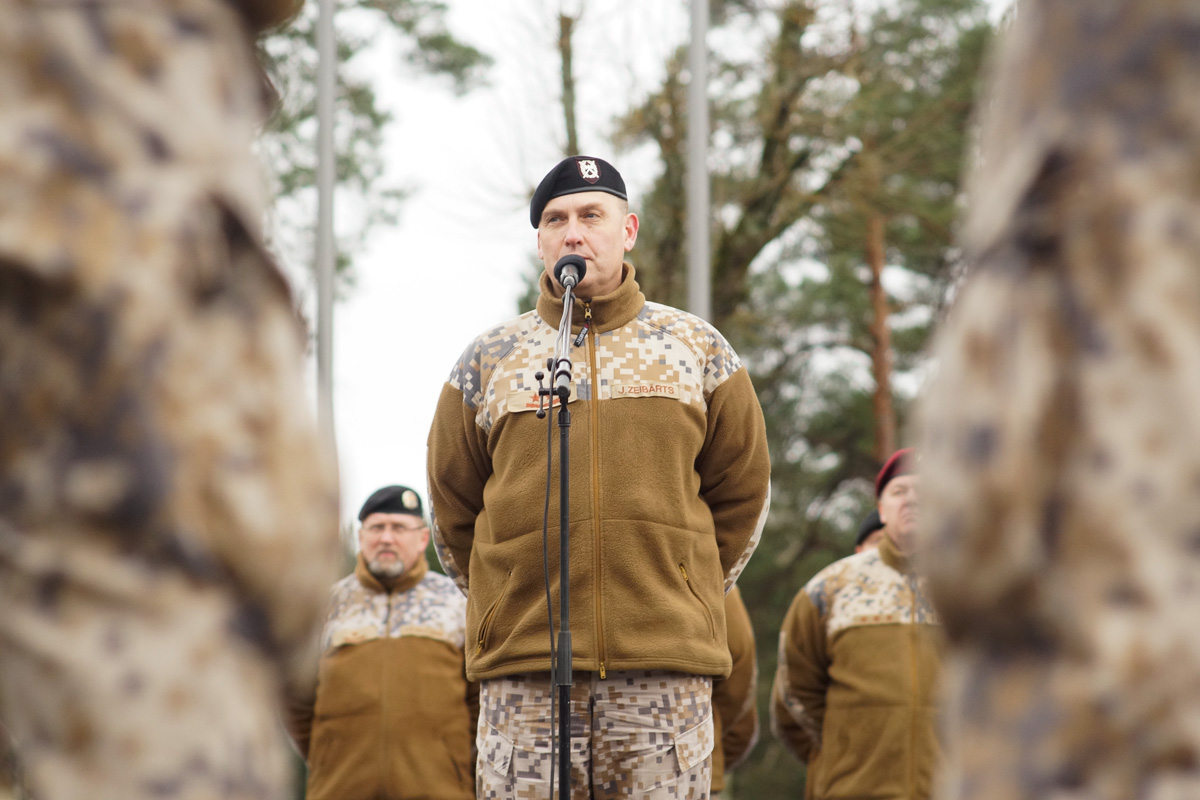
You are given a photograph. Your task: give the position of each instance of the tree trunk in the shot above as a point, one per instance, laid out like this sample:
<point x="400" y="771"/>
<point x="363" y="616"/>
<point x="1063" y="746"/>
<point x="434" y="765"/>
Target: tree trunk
<point x="566" y="26"/>
<point x="881" y="350"/>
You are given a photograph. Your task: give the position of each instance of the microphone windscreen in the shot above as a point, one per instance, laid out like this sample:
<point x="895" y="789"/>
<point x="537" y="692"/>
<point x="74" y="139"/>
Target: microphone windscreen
<point x="571" y="260"/>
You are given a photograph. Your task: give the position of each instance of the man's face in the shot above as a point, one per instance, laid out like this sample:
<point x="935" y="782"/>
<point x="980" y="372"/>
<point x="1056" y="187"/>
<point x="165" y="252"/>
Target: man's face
<point x="392" y="543"/>
<point x="898" y="510"/>
<point x="595" y="225"/>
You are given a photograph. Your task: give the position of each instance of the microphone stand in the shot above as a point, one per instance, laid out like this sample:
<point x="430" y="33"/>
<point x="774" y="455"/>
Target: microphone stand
<point x="563" y="676"/>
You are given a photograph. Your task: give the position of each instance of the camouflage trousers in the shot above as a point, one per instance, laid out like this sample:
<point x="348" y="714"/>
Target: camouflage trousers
<point x="643" y="734"/>
<point x="167" y="515"/>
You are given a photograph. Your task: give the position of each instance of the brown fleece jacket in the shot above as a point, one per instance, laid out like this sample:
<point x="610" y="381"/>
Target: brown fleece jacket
<point x="735" y="715"/>
<point x="669" y="487"/>
<point x="392" y="715"/>
<point x="856" y="691"/>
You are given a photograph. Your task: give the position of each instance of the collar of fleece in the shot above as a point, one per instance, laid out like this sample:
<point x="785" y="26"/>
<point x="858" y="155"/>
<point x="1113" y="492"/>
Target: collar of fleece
<point x="405" y="582"/>
<point x="609" y="311"/>
<point x="893" y="557"/>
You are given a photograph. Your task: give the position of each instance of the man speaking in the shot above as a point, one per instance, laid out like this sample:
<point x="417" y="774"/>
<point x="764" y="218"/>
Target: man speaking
<point x="670" y="487"/>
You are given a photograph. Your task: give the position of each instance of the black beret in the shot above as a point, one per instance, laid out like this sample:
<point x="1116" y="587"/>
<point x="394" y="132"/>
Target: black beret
<point x="869" y="525"/>
<point x="392" y="500"/>
<point x="575" y="174"/>
<point x="901" y="463"/>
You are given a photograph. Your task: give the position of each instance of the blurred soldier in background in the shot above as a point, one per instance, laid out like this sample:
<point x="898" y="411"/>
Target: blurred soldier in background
<point x="734" y="699"/>
<point x="1061" y="435"/>
<point x="870" y="532"/>
<point x="392" y="715"/>
<point x="167" y="515"/>
<point x="859" y="654"/>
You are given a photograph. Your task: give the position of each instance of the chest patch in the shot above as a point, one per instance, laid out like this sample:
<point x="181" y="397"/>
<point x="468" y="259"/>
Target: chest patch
<point x="647" y="389"/>
<point x="525" y="400"/>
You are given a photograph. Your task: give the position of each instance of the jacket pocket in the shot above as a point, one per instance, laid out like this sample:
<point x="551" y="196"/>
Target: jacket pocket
<point x="485" y="625"/>
<point x="662" y="767"/>
<point x="712" y="628"/>
<point x="496" y="751"/>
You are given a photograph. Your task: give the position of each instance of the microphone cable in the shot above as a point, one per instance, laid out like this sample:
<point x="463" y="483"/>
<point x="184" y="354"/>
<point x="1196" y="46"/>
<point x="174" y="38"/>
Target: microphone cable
<point x="546" y="577"/>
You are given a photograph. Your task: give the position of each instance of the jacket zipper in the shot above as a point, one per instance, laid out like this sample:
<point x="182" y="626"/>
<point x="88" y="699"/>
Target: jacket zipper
<point x="385" y="719"/>
<point x="587" y="325"/>
<point x="712" y="627"/>
<point x="595" y="415"/>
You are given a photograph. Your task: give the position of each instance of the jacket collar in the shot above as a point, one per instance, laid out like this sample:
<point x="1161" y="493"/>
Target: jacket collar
<point x="406" y="581"/>
<point x="609" y="311"/>
<point x="893" y="557"/>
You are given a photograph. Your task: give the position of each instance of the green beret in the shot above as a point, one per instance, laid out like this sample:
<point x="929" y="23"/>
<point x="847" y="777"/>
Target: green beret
<point x="575" y="174"/>
<point x="392" y="500"/>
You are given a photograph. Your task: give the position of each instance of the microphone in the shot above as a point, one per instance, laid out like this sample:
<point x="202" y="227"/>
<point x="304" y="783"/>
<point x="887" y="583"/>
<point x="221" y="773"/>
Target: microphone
<point x="569" y="271"/>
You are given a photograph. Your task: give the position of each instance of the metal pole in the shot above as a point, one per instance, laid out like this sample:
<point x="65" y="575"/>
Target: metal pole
<point x="326" y="177"/>
<point x="699" y="273"/>
<point x="564" y="677"/>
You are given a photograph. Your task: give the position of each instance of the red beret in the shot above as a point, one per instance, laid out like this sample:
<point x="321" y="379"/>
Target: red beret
<point x="901" y="463"/>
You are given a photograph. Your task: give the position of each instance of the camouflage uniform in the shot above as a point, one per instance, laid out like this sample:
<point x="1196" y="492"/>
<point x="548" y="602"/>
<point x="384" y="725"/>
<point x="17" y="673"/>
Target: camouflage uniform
<point x="392" y="715"/>
<point x="167" y="518"/>
<point x="1061" y="474"/>
<point x="735" y="712"/>
<point x="644" y="734"/>
<point x="668" y="451"/>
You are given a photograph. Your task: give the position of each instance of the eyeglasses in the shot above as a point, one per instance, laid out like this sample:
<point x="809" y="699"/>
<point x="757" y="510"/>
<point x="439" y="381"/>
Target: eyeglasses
<point x="378" y="530"/>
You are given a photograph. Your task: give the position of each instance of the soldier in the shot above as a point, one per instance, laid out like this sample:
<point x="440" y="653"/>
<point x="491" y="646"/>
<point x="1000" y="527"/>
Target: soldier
<point x="671" y="487"/>
<point x="734" y="699"/>
<point x="392" y="716"/>
<point x="166" y="509"/>
<point x="870" y="532"/>
<point x="859" y="652"/>
<point x="1061" y="435"/>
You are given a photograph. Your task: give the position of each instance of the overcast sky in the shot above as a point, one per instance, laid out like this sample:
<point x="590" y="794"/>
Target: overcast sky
<point x="454" y="264"/>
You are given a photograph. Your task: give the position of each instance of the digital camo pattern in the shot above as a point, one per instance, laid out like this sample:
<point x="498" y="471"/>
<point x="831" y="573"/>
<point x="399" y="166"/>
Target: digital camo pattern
<point x="167" y="517"/>
<point x="664" y="352"/>
<point x="479" y="361"/>
<point x="793" y="705"/>
<point x="643" y="734"/>
<point x="433" y="609"/>
<point x="703" y="340"/>
<point x="1061" y="439"/>
<point x="863" y="590"/>
<point x="740" y="565"/>
<point x="121" y="680"/>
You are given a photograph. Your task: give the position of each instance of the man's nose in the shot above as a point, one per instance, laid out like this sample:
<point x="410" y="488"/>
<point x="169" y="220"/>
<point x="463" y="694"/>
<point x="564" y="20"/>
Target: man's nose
<point x="574" y="232"/>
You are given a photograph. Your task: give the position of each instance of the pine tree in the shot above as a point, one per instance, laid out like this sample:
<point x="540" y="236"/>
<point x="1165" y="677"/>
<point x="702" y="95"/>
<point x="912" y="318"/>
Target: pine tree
<point x="837" y="144"/>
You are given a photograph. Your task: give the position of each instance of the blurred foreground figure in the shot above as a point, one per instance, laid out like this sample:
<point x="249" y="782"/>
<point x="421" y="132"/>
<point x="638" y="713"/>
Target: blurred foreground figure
<point x="167" y="518"/>
<point x="1062" y="436"/>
